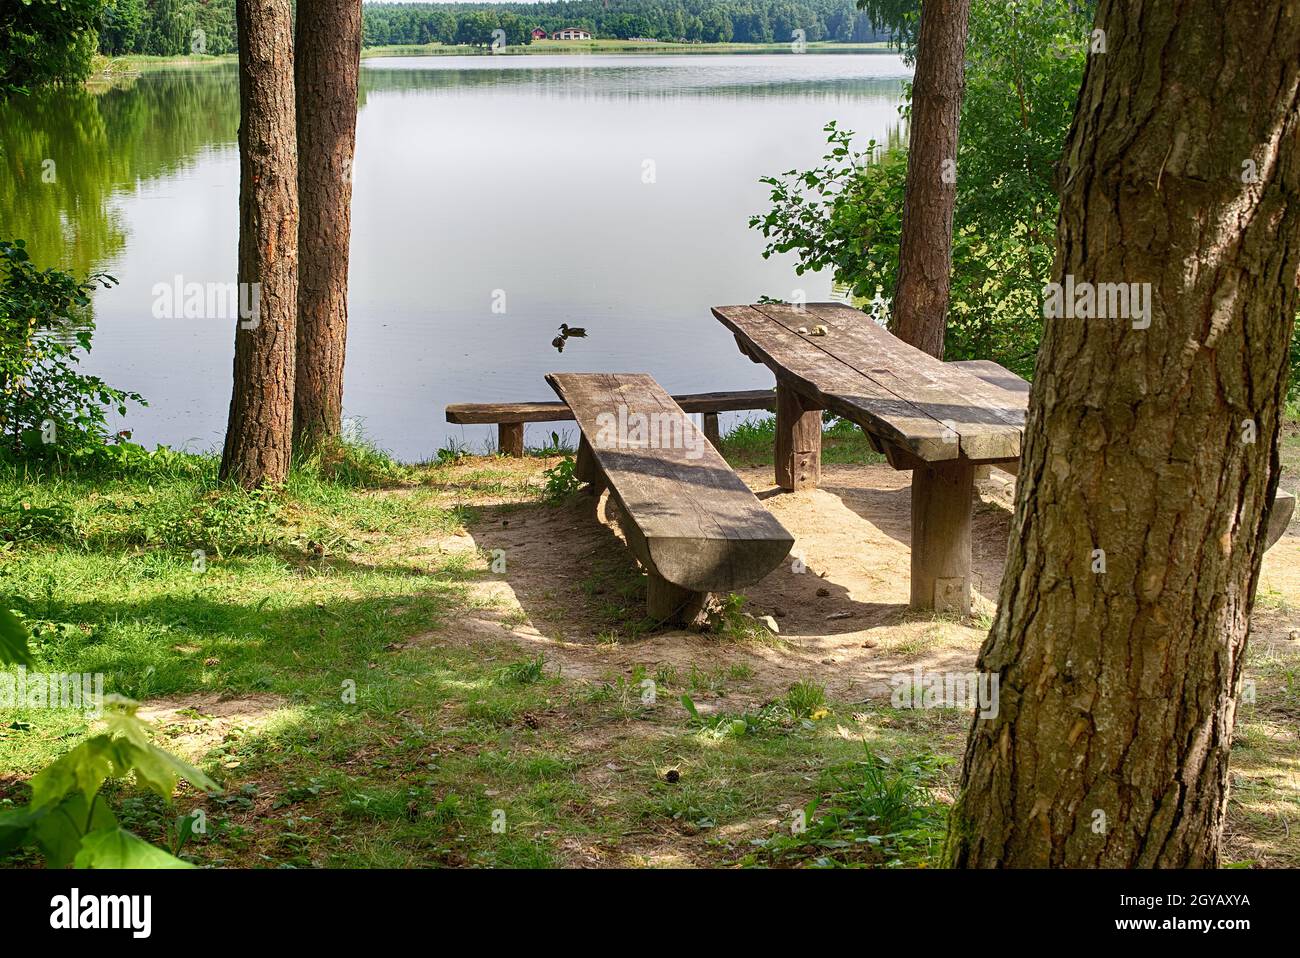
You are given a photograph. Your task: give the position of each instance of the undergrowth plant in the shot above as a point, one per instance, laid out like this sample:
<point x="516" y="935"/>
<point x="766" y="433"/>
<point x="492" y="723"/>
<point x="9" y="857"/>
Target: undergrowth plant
<point x="872" y="812"/>
<point x="47" y="407"/>
<point x="68" y="819"/>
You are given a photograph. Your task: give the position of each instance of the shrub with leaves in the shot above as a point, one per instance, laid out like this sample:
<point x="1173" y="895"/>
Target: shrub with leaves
<point x="71" y="822"/>
<point x="47" y="406"/>
<point x="1024" y="66"/>
<point x="561" y="480"/>
<point x="67" y="817"/>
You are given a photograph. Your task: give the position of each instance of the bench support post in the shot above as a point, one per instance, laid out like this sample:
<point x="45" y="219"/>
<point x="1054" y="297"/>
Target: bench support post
<point x="666" y="602"/>
<point x="941" y="535"/>
<point x="510" y="438"/>
<point x="711" y="432"/>
<point x="798" y="441"/>
<point x="586" y="469"/>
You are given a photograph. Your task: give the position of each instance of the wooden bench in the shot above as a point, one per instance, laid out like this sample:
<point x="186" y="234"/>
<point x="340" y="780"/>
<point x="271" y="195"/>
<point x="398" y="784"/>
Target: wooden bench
<point x="692" y="523"/>
<point x="510" y="417"/>
<point x="993" y="374"/>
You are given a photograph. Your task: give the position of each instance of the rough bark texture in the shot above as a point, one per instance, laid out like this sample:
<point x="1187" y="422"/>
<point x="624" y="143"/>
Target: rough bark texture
<point x="260" y="430"/>
<point x="925" y="247"/>
<point x="1110" y="746"/>
<point x="327" y="64"/>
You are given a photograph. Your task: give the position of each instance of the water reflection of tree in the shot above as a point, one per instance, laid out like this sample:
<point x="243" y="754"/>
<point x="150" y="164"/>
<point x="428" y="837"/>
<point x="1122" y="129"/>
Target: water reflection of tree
<point x="99" y="144"/>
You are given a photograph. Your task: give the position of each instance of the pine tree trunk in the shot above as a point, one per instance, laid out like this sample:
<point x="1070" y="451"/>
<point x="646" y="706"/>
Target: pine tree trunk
<point x="259" y="434"/>
<point x="925" y="246"/>
<point x="327" y="65"/>
<point x="1118" y="687"/>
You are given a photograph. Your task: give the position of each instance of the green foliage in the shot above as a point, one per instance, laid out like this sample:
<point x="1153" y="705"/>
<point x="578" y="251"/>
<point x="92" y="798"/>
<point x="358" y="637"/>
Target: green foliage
<point x="1024" y="68"/>
<point x="805" y="699"/>
<point x="870" y="812"/>
<point x="708" y="21"/>
<point x="845" y="214"/>
<point x="66" y="818"/>
<point x="561" y="480"/>
<point x="900" y="17"/>
<point x="730" y="619"/>
<point x="47" y="407"/>
<point x="167" y="27"/>
<point x="47" y="41"/>
<point x="13" y="640"/>
<point x="524" y="672"/>
<point x="801" y="707"/>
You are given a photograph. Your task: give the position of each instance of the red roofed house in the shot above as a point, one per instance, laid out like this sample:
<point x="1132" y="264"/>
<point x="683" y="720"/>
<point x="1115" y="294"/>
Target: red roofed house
<point x="539" y="33"/>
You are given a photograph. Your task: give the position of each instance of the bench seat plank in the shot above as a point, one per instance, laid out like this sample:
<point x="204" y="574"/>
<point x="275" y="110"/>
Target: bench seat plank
<point x="485" y="413"/>
<point x="696" y="524"/>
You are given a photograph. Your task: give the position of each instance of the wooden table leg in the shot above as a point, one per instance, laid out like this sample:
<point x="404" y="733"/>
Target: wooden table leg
<point x="941" y="528"/>
<point x="798" y="441"/>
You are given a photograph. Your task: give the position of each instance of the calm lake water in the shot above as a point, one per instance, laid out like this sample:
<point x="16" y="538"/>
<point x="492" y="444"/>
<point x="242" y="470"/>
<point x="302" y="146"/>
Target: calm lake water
<point x="479" y="182"/>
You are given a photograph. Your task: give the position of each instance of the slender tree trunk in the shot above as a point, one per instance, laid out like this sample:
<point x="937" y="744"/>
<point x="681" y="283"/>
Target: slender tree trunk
<point x="1150" y="456"/>
<point x="925" y="247"/>
<point x="327" y="65"/>
<point x="260" y="431"/>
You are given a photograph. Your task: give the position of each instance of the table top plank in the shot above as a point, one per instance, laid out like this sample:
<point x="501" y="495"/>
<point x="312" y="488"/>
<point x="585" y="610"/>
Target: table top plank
<point x="997" y="375"/>
<point x="988" y="426"/>
<point x="833" y="384"/>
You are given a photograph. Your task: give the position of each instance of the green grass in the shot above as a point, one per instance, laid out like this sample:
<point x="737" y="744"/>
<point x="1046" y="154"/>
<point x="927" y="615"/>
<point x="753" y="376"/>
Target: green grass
<point x="384" y="743"/>
<point x="750" y="443"/>
<point x="460" y="749"/>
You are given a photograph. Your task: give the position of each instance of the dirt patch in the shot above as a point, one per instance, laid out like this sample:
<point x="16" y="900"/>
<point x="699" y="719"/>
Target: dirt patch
<point x="841" y="608"/>
<point x="194" y="725"/>
<point x="844" y="619"/>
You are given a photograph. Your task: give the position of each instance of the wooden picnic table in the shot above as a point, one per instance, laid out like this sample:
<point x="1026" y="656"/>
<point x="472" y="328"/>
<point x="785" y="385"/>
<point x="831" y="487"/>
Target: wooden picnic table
<point x="937" y="419"/>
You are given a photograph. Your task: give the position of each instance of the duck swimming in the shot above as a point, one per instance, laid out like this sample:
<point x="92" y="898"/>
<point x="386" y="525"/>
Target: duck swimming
<point x="566" y="330"/>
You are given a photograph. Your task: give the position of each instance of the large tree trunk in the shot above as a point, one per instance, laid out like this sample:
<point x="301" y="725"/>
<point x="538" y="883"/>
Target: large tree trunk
<point x="1110" y="745"/>
<point x="925" y="247"/>
<point x="328" y="58"/>
<point x="260" y="431"/>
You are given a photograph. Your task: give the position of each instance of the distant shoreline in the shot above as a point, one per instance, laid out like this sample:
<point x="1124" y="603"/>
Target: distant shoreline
<point x="550" y="47"/>
<point x="109" y="69"/>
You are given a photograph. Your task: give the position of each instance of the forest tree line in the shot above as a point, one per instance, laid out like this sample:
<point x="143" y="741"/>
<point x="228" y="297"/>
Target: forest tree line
<point x="172" y="27"/>
<point x="705" y="21"/>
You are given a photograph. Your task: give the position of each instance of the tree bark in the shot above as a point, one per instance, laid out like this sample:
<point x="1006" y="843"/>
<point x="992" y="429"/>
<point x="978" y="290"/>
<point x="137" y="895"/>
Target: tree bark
<point x="925" y="246"/>
<point x="327" y="65"/>
<point x="260" y="429"/>
<point x="1118" y="687"/>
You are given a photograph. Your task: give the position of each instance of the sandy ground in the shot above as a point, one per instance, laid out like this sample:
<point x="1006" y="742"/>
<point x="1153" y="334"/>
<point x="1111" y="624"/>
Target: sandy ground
<point x="844" y="621"/>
